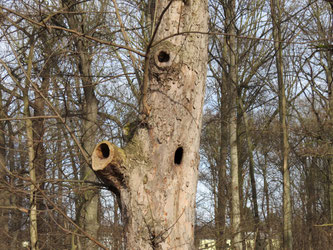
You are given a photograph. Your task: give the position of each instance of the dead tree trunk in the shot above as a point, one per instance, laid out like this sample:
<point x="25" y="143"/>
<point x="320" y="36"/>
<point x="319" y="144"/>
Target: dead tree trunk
<point x="155" y="175"/>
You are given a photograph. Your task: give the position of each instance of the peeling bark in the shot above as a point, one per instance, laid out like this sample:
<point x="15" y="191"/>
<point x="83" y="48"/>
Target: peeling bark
<point x="155" y="175"/>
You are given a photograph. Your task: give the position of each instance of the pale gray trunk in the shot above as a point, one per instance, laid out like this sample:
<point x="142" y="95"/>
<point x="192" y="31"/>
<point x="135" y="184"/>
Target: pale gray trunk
<point x="89" y="209"/>
<point x="252" y="178"/>
<point x="232" y="81"/>
<point x="155" y="175"/>
<point x="287" y="213"/>
<point x="236" y="215"/>
<point x="31" y="157"/>
<point x="32" y="174"/>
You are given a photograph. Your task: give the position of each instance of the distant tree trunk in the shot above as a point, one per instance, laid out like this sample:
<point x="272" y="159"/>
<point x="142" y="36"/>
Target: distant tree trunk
<point x="326" y="58"/>
<point x="4" y="195"/>
<point x="89" y="208"/>
<point x="222" y="173"/>
<point x="155" y="175"/>
<point x="39" y="130"/>
<point x="329" y="77"/>
<point x="222" y="187"/>
<point x="33" y="185"/>
<point x="116" y="228"/>
<point x="87" y="212"/>
<point x="324" y="35"/>
<point x="232" y="86"/>
<point x="287" y="213"/>
<point x="252" y="178"/>
<point x="266" y="197"/>
<point x="235" y="203"/>
<point x="31" y="156"/>
<point x="311" y="201"/>
<point x="16" y="216"/>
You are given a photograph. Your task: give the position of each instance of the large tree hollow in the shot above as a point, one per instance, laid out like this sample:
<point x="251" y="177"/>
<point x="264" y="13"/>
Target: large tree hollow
<point x="179" y="155"/>
<point x="163" y="57"/>
<point x="103" y="151"/>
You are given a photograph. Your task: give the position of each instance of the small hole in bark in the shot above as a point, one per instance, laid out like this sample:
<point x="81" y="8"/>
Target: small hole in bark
<point x="103" y="151"/>
<point x="179" y="155"/>
<point x="163" y="57"/>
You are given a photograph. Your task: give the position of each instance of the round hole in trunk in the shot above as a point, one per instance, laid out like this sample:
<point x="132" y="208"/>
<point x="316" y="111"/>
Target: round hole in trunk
<point x="163" y="57"/>
<point x="103" y="151"/>
<point x="179" y="155"/>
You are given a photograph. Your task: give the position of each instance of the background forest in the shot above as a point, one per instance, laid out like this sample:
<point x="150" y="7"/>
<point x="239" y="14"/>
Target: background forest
<point x="71" y="75"/>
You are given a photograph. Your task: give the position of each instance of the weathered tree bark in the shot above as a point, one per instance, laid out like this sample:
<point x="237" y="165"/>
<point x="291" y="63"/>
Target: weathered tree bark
<point x="287" y="215"/>
<point x="155" y="175"/>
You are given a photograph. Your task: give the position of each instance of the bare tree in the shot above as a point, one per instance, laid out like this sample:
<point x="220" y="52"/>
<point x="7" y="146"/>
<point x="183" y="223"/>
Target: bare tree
<point x="155" y="175"/>
<point x="287" y="213"/>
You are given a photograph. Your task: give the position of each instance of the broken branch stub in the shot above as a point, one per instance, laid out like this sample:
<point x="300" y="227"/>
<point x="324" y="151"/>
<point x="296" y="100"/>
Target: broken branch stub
<point x="102" y="155"/>
<point x="107" y="162"/>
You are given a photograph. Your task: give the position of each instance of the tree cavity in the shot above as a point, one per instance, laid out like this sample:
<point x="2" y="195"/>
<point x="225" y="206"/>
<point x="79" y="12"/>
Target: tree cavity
<point x="163" y="57"/>
<point x="179" y="155"/>
<point x="103" y="151"/>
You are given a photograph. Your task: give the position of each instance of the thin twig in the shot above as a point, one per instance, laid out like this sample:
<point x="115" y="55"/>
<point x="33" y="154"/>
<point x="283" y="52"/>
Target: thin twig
<point x="75" y="32"/>
<point x="84" y="153"/>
